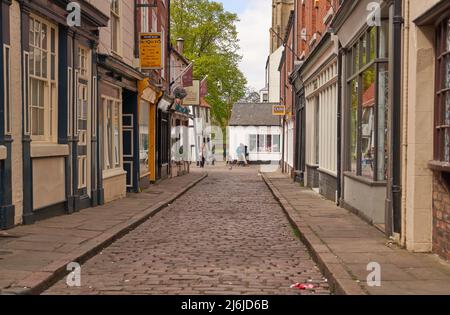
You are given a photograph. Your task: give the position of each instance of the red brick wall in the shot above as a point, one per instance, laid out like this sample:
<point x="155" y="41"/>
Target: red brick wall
<point x="441" y="215"/>
<point x="310" y="15"/>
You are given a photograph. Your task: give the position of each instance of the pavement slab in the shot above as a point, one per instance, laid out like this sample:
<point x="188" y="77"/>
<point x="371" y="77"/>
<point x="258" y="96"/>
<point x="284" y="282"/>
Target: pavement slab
<point x="343" y="245"/>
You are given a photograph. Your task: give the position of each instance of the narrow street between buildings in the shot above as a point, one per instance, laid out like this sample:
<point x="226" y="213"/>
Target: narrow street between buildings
<point x="227" y="235"/>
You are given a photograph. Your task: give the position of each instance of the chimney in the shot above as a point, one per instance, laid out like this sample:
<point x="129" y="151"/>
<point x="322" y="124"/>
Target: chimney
<point x="180" y="45"/>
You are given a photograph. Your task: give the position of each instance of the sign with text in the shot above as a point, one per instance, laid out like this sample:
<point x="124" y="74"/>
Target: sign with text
<point x="279" y="110"/>
<point x="193" y="94"/>
<point x="151" y="51"/>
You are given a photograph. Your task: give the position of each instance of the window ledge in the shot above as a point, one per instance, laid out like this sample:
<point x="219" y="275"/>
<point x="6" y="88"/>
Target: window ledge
<point x="3" y="152"/>
<point x="365" y="180"/>
<point x="328" y="172"/>
<point x="113" y="173"/>
<point x="439" y="166"/>
<point x="40" y="150"/>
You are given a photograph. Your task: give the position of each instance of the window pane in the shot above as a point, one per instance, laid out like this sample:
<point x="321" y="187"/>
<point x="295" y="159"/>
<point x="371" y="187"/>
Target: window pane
<point x="372" y="37"/>
<point x="37" y="58"/>
<point x="44" y="64"/>
<point x="31" y="61"/>
<point x="261" y="143"/>
<point x="116" y="134"/>
<point x="143" y="137"/>
<point x="363" y="47"/>
<point x="44" y="36"/>
<point x="448" y="35"/>
<point x="252" y="143"/>
<point x="383" y="46"/>
<point x="276" y="143"/>
<point x="367" y="123"/>
<point x="41" y="122"/>
<point x="109" y="129"/>
<point x="34" y="121"/>
<point x="52" y="41"/>
<point x="383" y="97"/>
<point x="269" y="143"/>
<point x="31" y="32"/>
<point x="353" y="125"/>
<point x="356" y="58"/>
<point x="447" y="72"/>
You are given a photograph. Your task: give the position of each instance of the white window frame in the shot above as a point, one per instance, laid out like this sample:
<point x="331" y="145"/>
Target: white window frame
<point x="117" y="162"/>
<point x="265" y="136"/>
<point x="116" y="15"/>
<point x="50" y="106"/>
<point x="145" y="12"/>
<point x="7" y="85"/>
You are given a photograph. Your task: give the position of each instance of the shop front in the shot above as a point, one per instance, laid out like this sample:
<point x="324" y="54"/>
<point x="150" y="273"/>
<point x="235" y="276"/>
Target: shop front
<point x="118" y="114"/>
<point x="180" y="144"/>
<point x="366" y="98"/>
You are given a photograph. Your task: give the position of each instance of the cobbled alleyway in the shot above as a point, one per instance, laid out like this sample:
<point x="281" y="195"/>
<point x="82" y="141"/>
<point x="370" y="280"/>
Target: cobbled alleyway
<point x="227" y="235"/>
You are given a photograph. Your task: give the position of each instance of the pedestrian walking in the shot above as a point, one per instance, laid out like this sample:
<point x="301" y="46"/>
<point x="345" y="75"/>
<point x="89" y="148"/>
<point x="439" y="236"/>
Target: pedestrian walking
<point x="203" y="149"/>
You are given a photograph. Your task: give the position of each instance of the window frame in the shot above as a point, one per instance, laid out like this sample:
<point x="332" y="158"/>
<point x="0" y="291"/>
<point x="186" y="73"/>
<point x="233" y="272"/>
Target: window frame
<point x="115" y="16"/>
<point x="50" y="81"/>
<point x="114" y="164"/>
<point x="265" y="136"/>
<point x="356" y="69"/>
<point x="7" y="89"/>
<point x="442" y="90"/>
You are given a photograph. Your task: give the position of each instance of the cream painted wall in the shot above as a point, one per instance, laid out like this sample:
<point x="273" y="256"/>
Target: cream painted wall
<point x="127" y="29"/>
<point x="16" y="67"/>
<point x="49" y="186"/>
<point x="320" y="78"/>
<point x="274" y="75"/>
<point x="419" y="85"/>
<point x="115" y="187"/>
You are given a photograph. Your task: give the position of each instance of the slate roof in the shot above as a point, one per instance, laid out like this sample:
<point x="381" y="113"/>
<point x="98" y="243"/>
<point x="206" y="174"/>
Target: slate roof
<point x="254" y="114"/>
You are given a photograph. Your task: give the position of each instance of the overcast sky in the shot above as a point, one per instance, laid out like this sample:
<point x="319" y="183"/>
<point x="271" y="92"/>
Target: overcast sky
<point x="255" y="20"/>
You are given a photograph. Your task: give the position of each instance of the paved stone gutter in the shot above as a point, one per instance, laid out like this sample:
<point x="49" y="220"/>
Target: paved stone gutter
<point x="342" y="245"/>
<point x="41" y="277"/>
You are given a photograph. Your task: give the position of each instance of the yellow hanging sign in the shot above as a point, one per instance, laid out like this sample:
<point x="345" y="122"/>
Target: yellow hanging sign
<point x="151" y="50"/>
<point x="279" y="110"/>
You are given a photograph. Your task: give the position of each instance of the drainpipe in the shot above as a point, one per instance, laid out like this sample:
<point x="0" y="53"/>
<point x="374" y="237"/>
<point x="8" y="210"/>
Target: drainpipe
<point x="396" y="149"/>
<point x="405" y="123"/>
<point x="339" y="128"/>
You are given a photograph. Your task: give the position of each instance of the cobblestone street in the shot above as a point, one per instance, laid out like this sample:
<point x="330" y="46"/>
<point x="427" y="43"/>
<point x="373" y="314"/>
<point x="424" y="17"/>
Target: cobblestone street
<point x="227" y="235"/>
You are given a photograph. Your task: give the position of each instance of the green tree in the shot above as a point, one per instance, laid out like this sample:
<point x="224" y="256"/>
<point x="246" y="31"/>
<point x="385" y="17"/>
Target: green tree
<point x="211" y="43"/>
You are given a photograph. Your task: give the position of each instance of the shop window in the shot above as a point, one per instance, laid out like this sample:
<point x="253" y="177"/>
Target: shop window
<point x="367" y="83"/>
<point x="43" y="79"/>
<point x="144" y="133"/>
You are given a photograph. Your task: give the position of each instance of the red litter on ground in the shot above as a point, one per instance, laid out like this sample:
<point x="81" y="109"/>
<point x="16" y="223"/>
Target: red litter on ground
<point x="303" y="286"/>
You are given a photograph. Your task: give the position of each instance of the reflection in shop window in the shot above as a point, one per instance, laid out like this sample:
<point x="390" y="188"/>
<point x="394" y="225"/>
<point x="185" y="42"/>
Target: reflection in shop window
<point x="368" y="104"/>
<point x="143" y="138"/>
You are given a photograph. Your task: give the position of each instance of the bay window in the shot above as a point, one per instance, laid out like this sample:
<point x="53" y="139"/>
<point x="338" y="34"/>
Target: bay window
<point x="43" y="79"/>
<point x="367" y="84"/>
